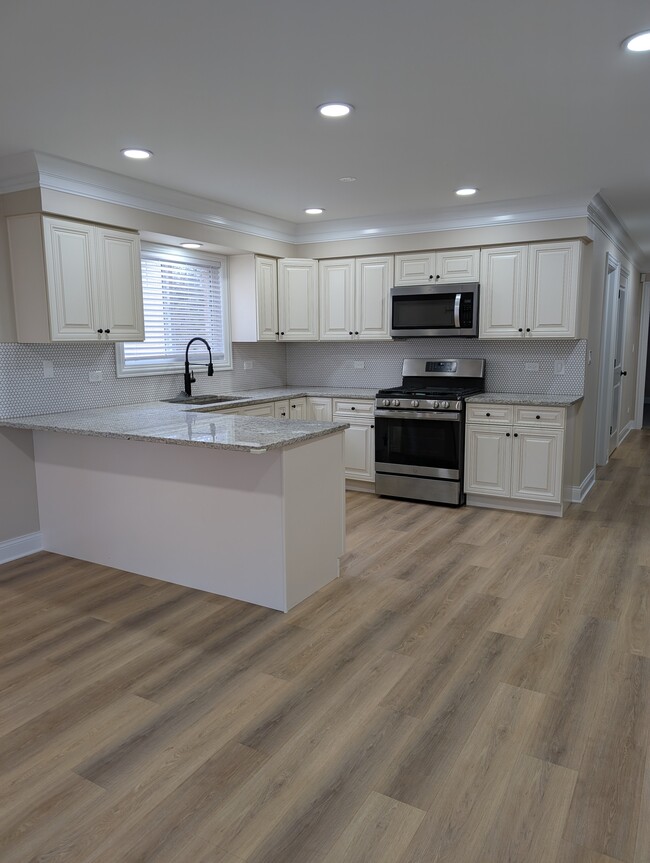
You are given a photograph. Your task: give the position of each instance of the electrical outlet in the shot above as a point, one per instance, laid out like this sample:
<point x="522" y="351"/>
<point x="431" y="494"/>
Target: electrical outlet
<point x="532" y="367"/>
<point x="94" y="377"/>
<point x="248" y="364"/>
<point x="559" y="368"/>
<point x="48" y="369"/>
<point x="359" y="364"/>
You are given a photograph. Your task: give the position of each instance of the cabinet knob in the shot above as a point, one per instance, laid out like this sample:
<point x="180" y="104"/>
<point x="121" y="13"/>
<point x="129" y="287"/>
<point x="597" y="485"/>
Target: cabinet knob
<point x="353" y="408"/>
<point x="431" y="276"/>
<point x="100" y="331"/>
<point x="350" y="332"/>
<point x="515" y="435"/>
<point x="487" y="414"/>
<point x="623" y="374"/>
<point x="372" y="427"/>
<point x="527" y="329"/>
<point x="521" y="329"/>
<point x="356" y="332"/>
<point x="507" y="434"/>
<point x="277" y="333"/>
<point x="538" y="417"/>
<point x="282" y="333"/>
<point x="437" y="277"/>
<point x="107" y="331"/>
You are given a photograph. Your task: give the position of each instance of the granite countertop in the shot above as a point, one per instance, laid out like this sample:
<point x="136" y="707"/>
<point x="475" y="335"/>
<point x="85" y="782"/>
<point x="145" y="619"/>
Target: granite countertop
<point x="558" y="401"/>
<point x="175" y="424"/>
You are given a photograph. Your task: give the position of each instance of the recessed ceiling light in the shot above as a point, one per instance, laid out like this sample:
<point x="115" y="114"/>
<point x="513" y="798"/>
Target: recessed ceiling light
<point x="335" y="109"/>
<point x="314" y="211"/>
<point x="347" y="179"/>
<point x="466" y="192"/>
<point x="638" y="42"/>
<point x="136" y="153"/>
<point x="192" y="245"/>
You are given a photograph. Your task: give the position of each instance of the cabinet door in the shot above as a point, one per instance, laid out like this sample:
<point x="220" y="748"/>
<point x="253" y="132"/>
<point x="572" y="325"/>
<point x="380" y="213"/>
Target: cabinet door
<point x="266" y="286"/>
<point x="503" y="292"/>
<point x="537" y="464"/>
<point x="553" y="287"/>
<point x="120" y="278"/>
<point x="70" y="260"/>
<point x="298" y="409"/>
<point x="416" y="269"/>
<point x="359" y="450"/>
<point x="281" y="409"/>
<point x="488" y="452"/>
<point x="319" y="409"/>
<point x="298" y="300"/>
<point x="336" y="291"/>
<point x="458" y="266"/>
<point x="374" y="279"/>
<point x="264" y="410"/>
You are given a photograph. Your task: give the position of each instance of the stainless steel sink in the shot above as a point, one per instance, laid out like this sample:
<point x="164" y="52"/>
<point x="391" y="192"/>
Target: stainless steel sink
<point x="202" y="400"/>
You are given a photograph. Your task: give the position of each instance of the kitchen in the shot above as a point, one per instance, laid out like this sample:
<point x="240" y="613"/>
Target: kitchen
<point x="387" y="641"/>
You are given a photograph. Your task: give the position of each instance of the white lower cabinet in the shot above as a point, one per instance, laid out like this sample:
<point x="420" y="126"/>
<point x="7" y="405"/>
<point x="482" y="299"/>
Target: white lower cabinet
<point x="281" y="409"/>
<point x="359" y="437"/>
<point x="319" y="409"/>
<point x="267" y="409"/>
<point x="519" y="465"/>
<point x="298" y="409"/>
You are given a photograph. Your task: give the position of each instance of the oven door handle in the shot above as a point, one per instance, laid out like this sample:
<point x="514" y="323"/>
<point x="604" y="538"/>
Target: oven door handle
<point x="447" y="416"/>
<point x="457" y="311"/>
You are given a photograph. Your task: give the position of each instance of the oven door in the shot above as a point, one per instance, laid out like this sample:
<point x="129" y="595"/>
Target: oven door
<point x="419" y="443"/>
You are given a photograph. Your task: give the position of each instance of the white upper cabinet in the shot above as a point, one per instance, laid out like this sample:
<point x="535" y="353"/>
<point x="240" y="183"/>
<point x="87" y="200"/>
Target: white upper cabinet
<point x="530" y="291"/>
<point x="503" y="292"/>
<point x="336" y="286"/>
<point x="298" y="299"/>
<point x="374" y="279"/>
<point x="447" y="267"/>
<point x="75" y="281"/>
<point x="354" y="296"/>
<point x="253" y="298"/>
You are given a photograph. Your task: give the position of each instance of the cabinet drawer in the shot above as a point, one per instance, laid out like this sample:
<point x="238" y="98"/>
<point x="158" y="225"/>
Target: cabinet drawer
<point x="539" y="416"/>
<point x="363" y="408"/>
<point x="489" y="414"/>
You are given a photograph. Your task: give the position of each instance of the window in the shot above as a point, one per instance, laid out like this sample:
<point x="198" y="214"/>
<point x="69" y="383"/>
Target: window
<point x="184" y="295"/>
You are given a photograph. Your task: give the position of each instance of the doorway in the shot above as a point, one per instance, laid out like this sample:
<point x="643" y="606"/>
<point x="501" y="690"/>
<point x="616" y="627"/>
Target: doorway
<point x="612" y="373"/>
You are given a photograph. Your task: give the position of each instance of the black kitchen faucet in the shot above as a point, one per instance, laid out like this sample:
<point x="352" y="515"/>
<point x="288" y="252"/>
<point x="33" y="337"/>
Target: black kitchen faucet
<point x="189" y="376"/>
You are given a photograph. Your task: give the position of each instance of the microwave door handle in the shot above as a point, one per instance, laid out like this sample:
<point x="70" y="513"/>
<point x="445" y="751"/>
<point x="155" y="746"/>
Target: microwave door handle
<point x="457" y="311"/>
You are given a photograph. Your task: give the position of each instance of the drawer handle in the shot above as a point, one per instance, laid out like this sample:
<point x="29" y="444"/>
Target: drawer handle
<point x="538" y="417"/>
<point x="515" y="435"/>
<point x="487" y="414"/>
<point x="507" y="434"/>
<point x="352" y="408"/>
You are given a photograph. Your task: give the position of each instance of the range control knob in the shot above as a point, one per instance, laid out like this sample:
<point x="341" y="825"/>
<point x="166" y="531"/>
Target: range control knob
<point x="415" y="403"/>
<point x="386" y="402"/>
<point x="444" y="405"/>
<point x="395" y="403"/>
<point x="436" y="404"/>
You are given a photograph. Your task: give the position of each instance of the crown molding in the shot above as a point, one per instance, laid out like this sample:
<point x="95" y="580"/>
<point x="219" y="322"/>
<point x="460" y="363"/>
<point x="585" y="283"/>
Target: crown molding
<point x="40" y="170"/>
<point x="606" y="220"/>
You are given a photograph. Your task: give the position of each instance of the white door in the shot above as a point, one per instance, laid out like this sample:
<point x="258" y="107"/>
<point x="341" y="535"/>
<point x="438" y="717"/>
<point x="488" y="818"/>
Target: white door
<point x="458" y="266"/>
<point x="120" y="277"/>
<point x="73" y="293"/>
<point x="281" y="409"/>
<point x="336" y="292"/>
<point x="263" y="410"/>
<point x="415" y="269"/>
<point x="374" y="279"/>
<point x="298" y="300"/>
<point x="319" y="409"/>
<point x="537" y="464"/>
<point x="553" y="284"/>
<point x="503" y="292"/>
<point x="618" y="372"/>
<point x="266" y="284"/>
<point x="360" y="451"/>
<point x="488" y="451"/>
<point x="298" y="409"/>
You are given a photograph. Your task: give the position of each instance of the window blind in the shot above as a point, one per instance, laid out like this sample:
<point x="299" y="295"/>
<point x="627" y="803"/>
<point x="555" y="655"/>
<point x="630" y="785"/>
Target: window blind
<point x="182" y="299"/>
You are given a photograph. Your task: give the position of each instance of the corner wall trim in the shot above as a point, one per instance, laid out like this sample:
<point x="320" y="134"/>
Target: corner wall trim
<point x="577" y="493"/>
<point x="21" y="546"/>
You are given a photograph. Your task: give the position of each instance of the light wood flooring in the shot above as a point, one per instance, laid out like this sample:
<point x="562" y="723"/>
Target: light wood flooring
<point x="474" y="689"/>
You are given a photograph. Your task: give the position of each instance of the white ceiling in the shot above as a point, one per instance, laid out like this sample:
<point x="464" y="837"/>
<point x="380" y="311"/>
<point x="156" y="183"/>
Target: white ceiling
<point x="524" y="101"/>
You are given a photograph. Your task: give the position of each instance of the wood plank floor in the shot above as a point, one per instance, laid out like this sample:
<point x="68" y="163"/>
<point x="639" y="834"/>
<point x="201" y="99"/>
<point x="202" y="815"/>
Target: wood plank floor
<point x="475" y="688"/>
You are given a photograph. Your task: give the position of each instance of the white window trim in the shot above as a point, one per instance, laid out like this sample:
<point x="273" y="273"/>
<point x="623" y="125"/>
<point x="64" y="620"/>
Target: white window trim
<point x="169" y="368"/>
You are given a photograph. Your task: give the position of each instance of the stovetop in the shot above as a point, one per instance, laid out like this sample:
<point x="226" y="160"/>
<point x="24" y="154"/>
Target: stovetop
<point x="455" y="393"/>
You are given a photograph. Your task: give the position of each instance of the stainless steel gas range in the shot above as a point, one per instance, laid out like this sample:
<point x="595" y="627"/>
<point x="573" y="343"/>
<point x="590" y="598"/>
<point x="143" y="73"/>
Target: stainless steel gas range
<point x="420" y="430"/>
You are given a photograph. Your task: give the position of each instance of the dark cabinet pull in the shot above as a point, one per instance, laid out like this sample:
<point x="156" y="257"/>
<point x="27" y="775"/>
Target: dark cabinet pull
<point x="431" y="276"/>
<point x="282" y="333"/>
<point x="100" y="331"/>
<point x="623" y="374"/>
<point x="437" y="277"/>
<point x="107" y="331"/>
<point x="538" y="417"/>
<point x="527" y="329"/>
<point x="356" y="332"/>
<point x="372" y="427"/>
<point x="521" y="329"/>
<point x="350" y="332"/>
<point x="277" y="333"/>
<point x="507" y="434"/>
<point x="487" y="414"/>
<point x="516" y="435"/>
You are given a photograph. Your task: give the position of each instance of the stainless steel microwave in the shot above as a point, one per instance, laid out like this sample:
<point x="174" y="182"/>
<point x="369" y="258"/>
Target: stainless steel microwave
<point x="434" y="310"/>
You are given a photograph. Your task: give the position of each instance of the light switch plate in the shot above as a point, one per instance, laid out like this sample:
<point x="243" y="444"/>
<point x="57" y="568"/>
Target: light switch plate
<point x="558" y="367"/>
<point x="48" y="369"/>
<point x="359" y="364"/>
<point x="94" y="377"/>
<point x="248" y="364"/>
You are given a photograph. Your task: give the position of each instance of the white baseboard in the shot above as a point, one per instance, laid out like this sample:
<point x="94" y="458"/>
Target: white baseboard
<point x="628" y="428"/>
<point x="577" y="493"/>
<point x="21" y="546"/>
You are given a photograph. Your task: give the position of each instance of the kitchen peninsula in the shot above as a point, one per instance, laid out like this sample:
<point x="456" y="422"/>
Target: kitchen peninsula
<point x="246" y="508"/>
